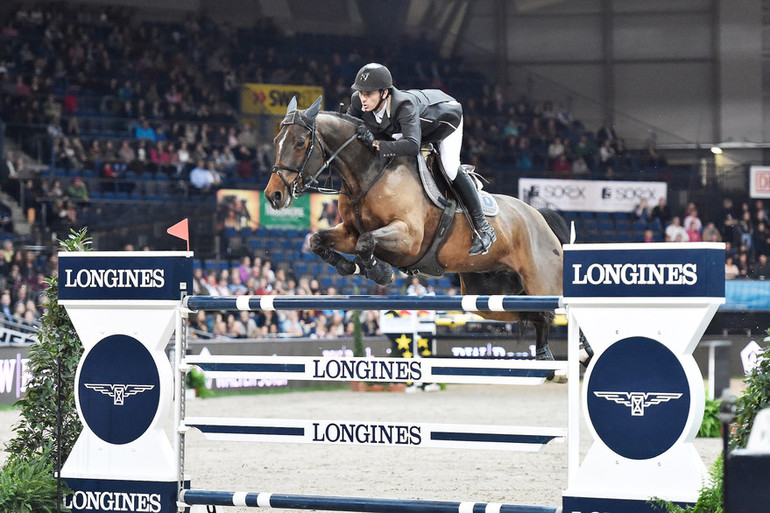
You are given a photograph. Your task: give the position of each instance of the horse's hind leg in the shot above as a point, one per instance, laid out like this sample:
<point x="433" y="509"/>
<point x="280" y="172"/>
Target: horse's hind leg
<point x="586" y="351"/>
<point x="541" y="321"/>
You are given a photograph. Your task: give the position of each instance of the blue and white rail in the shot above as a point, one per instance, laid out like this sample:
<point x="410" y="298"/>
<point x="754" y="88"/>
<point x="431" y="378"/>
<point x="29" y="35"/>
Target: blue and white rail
<point x="360" y="504"/>
<point x="377" y="433"/>
<point x="387" y="370"/>
<point x="468" y="303"/>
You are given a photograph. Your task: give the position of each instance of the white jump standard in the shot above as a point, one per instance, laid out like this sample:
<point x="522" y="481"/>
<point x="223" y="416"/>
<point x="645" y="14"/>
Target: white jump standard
<point x="643" y="308"/>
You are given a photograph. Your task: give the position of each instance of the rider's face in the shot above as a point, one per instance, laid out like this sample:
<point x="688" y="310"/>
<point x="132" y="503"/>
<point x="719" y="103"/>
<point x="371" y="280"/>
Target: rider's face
<point x="369" y="99"/>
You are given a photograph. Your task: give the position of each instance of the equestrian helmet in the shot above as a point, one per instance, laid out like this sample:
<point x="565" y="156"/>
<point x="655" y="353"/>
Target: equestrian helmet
<point x="373" y="77"/>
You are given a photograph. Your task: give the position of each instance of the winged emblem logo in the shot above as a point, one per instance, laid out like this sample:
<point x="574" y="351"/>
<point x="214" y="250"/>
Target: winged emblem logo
<point x="638" y="401"/>
<point x="118" y="392"/>
<point x="364" y="77"/>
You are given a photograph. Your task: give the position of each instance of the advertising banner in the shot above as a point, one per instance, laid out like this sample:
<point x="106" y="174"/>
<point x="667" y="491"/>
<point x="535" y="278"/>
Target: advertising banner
<point x="274" y="98"/>
<point x="238" y="208"/>
<point x="324" y="212"/>
<point x="589" y="195"/>
<point x="759" y="181"/>
<point x="295" y="216"/>
<point x="14" y="374"/>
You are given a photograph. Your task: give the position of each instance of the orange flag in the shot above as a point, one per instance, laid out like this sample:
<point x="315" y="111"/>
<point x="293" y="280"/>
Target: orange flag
<point x="181" y="230"/>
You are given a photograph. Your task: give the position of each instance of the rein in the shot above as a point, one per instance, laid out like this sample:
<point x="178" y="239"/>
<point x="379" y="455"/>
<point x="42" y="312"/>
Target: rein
<point x="310" y="182"/>
<point x="355" y="202"/>
<point x="295" y="188"/>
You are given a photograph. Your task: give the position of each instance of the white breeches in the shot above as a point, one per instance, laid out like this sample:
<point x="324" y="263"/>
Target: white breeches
<point x="449" y="150"/>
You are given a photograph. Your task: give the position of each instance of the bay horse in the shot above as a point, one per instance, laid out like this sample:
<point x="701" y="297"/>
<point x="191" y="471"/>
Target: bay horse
<point x="388" y="219"/>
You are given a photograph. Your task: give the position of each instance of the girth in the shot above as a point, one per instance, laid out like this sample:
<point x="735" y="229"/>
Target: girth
<point x="428" y="263"/>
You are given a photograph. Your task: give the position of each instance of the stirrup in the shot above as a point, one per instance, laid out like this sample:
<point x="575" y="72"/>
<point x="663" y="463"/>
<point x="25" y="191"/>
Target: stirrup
<point x="482" y="242"/>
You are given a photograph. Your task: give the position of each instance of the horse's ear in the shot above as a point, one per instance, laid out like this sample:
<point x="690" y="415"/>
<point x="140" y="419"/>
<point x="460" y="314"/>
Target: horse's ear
<point x="292" y="105"/>
<point x="313" y="110"/>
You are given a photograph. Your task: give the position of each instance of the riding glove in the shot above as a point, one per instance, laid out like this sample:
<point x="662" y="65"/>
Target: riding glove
<point x="366" y="137"/>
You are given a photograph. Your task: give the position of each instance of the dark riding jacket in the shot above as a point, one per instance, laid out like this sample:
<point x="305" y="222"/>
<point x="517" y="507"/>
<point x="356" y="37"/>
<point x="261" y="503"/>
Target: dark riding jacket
<point x="419" y="115"/>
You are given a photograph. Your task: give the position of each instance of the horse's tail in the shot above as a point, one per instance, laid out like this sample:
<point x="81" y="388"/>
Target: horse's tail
<point x="557" y="224"/>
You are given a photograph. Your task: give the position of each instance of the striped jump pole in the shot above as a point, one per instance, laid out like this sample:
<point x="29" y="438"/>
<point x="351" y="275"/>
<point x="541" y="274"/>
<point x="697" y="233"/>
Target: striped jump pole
<point x="390" y="370"/>
<point x="359" y="504"/>
<point x="467" y="303"/>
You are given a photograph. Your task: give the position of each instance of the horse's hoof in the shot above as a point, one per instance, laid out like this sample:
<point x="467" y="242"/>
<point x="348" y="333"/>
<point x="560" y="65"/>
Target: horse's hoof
<point x="379" y="272"/>
<point x="586" y="351"/>
<point x="557" y="377"/>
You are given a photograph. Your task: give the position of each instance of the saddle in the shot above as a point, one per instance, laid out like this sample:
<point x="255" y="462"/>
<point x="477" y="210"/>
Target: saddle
<point x="437" y="188"/>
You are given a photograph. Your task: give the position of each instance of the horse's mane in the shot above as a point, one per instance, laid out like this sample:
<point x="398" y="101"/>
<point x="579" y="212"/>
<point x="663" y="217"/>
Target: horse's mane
<point x="344" y="117"/>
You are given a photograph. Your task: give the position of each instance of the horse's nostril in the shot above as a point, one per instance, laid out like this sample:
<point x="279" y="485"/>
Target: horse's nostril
<point x="276" y="196"/>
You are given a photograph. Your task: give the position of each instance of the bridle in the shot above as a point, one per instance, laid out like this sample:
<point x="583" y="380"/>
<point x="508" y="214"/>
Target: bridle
<point x="306" y="181"/>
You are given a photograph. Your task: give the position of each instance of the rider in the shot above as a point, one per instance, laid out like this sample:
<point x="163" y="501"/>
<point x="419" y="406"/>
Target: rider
<point x="396" y="123"/>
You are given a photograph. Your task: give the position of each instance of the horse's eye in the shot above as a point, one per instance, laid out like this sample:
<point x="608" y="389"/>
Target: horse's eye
<point x="300" y="144"/>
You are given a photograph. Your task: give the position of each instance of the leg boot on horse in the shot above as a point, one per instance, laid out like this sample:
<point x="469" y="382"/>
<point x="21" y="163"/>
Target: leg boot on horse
<point x="370" y="266"/>
<point x="343" y="266"/>
<point x="374" y="269"/>
<point x="483" y="233"/>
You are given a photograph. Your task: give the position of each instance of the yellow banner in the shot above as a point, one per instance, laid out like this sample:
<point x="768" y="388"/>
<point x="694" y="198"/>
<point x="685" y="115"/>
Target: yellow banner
<point x="274" y="98"/>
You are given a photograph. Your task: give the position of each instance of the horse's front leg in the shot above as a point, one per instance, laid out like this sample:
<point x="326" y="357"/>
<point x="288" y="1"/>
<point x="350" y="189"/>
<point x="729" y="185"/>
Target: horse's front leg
<point x="322" y="242"/>
<point x="394" y="237"/>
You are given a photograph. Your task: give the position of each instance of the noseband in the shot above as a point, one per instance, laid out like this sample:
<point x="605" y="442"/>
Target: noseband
<point x="308" y="181"/>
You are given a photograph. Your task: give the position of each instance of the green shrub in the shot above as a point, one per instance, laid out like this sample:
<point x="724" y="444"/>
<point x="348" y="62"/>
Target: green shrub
<point x="711" y="426"/>
<point x="710" y="498"/>
<point x="53" y="361"/>
<point x="49" y="423"/>
<point x="28" y="485"/>
<point x="197" y="380"/>
<point x="755" y="397"/>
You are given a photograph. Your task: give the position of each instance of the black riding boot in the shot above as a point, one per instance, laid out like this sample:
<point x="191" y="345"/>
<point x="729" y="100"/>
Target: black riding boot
<point x="484" y="234"/>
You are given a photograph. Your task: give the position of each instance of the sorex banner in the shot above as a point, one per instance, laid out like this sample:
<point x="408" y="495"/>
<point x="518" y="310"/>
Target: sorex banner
<point x="295" y="216"/>
<point x="274" y="98"/>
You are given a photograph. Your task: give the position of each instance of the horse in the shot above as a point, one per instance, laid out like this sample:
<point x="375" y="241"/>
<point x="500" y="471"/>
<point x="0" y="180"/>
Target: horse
<point x="389" y="221"/>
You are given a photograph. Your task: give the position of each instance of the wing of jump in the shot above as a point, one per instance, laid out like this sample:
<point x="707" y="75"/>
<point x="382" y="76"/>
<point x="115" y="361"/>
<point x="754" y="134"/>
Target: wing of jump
<point x="136" y="389"/>
<point x="617" y="397"/>
<point x="104" y="388"/>
<point x="652" y="398"/>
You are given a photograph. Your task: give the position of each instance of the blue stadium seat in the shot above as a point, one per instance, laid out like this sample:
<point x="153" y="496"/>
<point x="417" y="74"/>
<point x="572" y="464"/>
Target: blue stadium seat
<point x="608" y="236"/>
<point x="622" y="224"/>
<point x="606" y="225"/>
<point x="230" y="232"/>
<point x="624" y="236"/>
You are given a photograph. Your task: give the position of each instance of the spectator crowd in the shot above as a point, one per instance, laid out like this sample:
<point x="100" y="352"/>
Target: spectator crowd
<point x="143" y="107"/>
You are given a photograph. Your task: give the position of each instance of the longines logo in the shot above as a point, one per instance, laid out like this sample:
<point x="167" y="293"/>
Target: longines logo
<point x="638" y="401"/>
<point x="118" y="392"/>
<point x="115" y="278"/>
<point x="635" y="274"/>
<point x="114" y="501"/>
<point x="368" y="369"/>
<point x="388" y="434"/>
